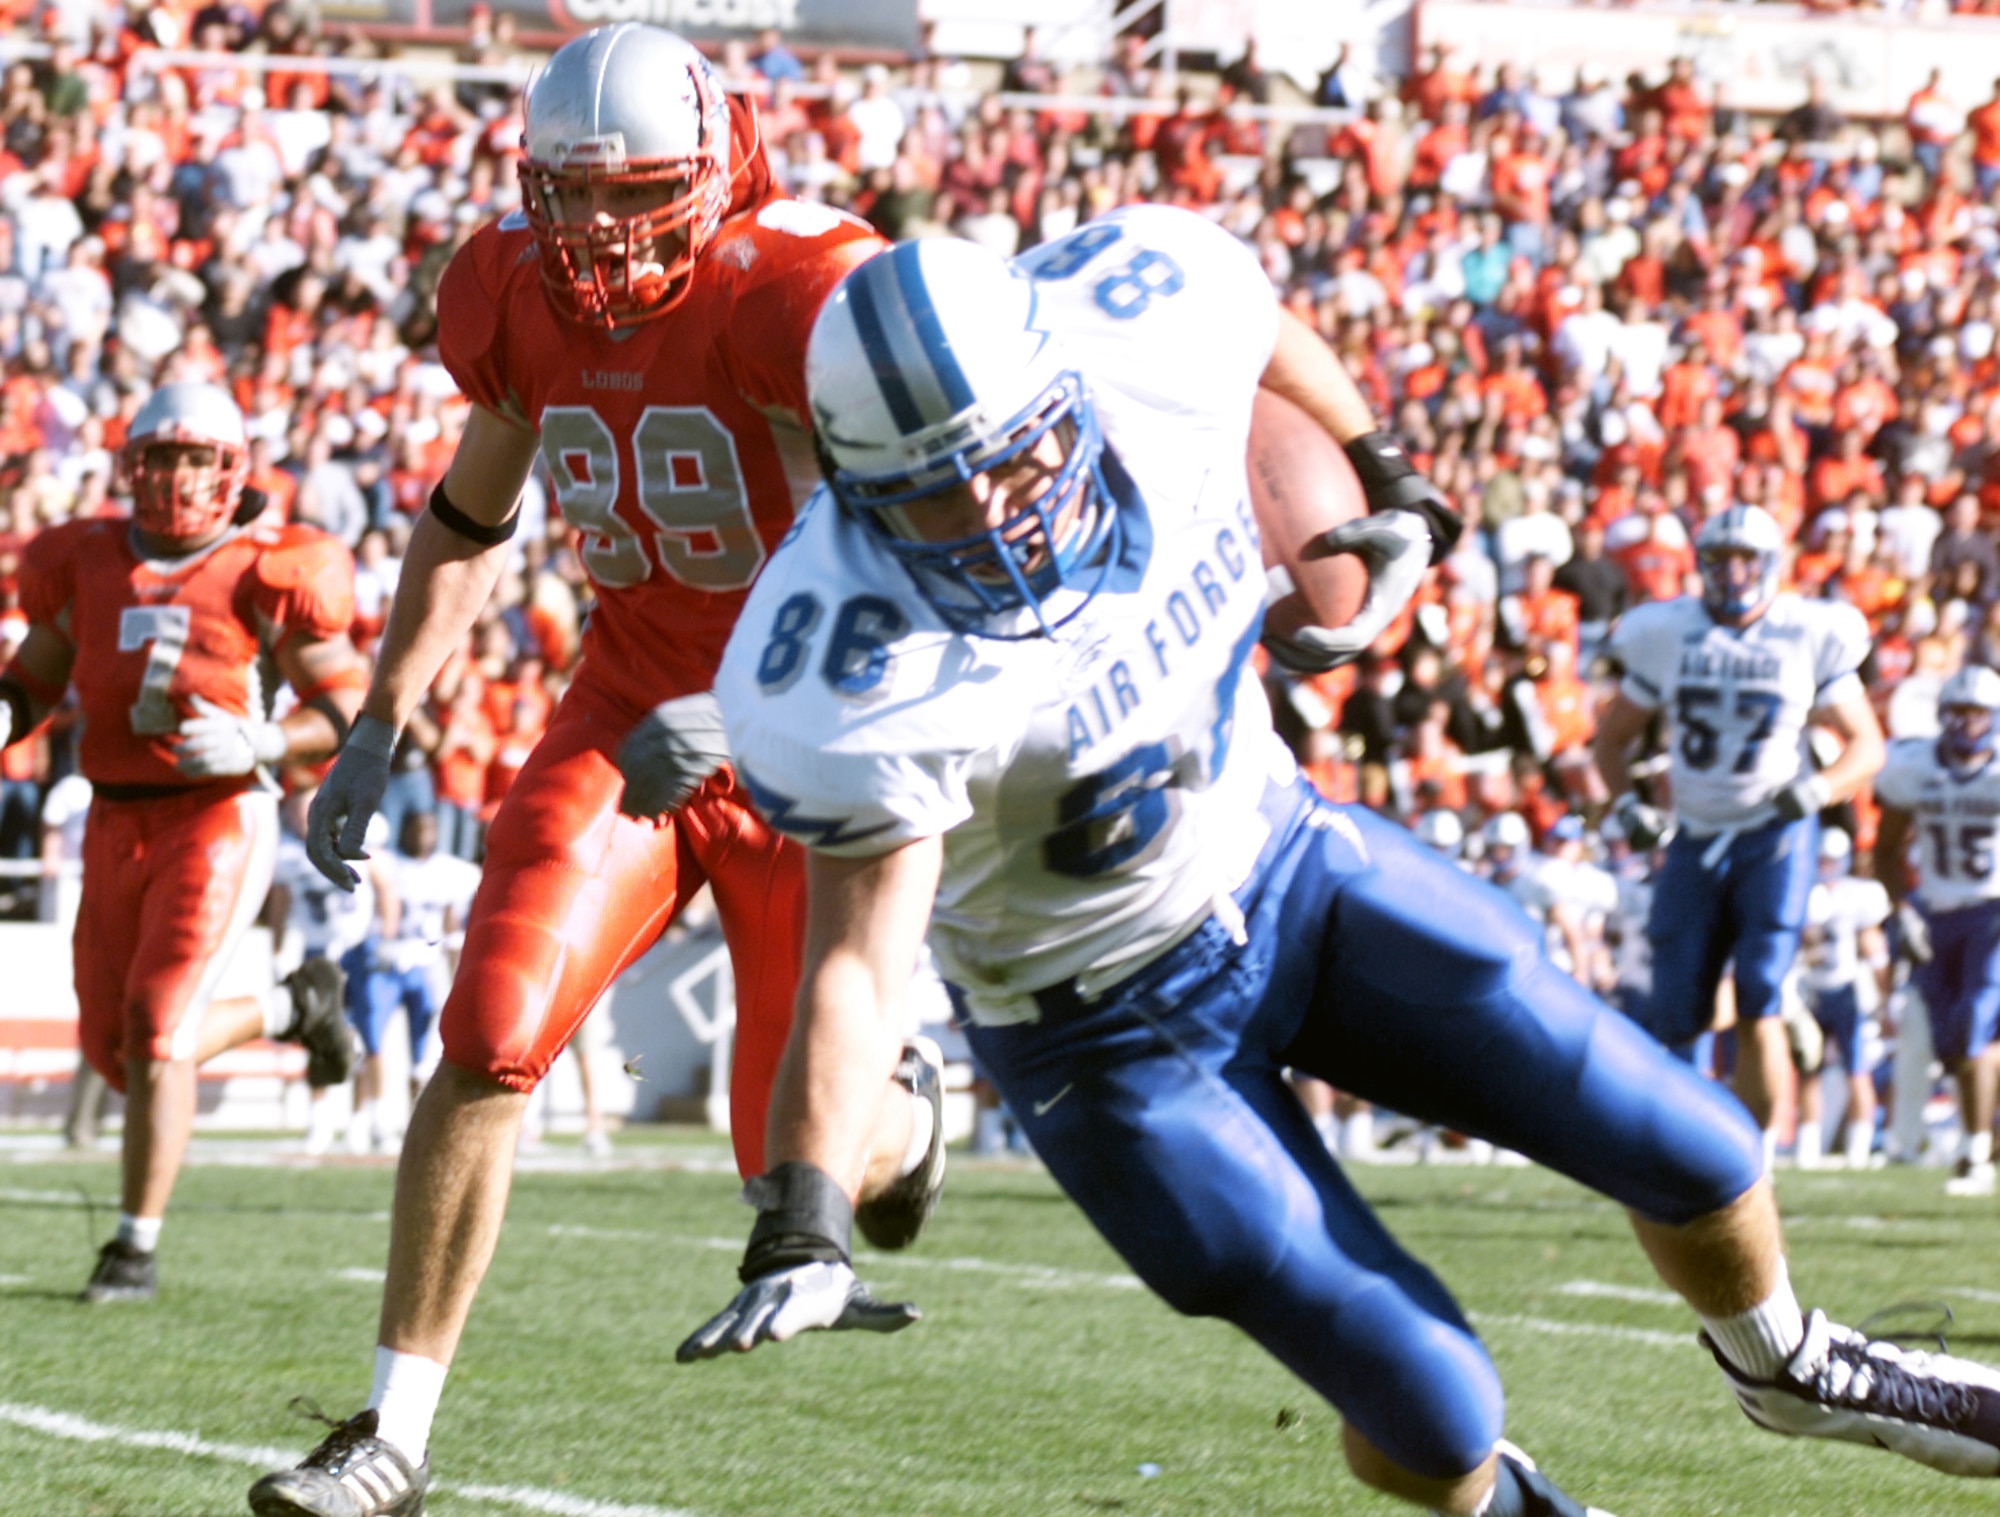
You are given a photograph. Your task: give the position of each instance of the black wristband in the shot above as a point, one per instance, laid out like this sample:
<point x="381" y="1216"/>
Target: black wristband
<point x="802" y="1218"/>
<point x="325" y="706"/>
<point x="455" y="520"/>
<point x="1391" y="483"/>
<point x="21" y="707"/>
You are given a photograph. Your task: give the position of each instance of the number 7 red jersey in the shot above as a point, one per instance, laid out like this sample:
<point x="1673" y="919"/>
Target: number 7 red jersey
<point x="660" y="438"/>
<point x="152" y="635"/>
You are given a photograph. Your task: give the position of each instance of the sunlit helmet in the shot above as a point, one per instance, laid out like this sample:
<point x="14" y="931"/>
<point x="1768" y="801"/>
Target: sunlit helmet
<point x="187" y="456"/>
<point x="1507" y="830"/>
<point x="929" y="366"/>
<point x="1443" y="831"/>
<point x="1836" y="851"/>
<point x="1969" y="713"/>
<point x="1731" y="589"/>
<point x="625" y="105"/>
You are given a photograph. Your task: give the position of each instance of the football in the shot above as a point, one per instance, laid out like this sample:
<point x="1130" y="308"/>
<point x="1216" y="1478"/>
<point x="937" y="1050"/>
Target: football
<point x="1301" y="485"/>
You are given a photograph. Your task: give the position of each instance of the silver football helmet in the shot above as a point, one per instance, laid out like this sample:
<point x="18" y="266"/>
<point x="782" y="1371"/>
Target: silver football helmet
<point x="1442" y="830"/>
<point x="187" y="455"/>
<point x="625" y="171"/>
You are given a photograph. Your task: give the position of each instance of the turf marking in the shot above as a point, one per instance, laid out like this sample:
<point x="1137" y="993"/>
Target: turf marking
<point x="1023" y="1274"/>
<point x="1584" y="1329"/>
<point x="364" y="1275"/>
<point x="1604" y="1290"/>
<point x="55" y="1424"/>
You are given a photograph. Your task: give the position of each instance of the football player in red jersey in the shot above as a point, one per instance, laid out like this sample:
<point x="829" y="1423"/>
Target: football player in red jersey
<point x="162" y="622"/>
<point x="642" y="323"/>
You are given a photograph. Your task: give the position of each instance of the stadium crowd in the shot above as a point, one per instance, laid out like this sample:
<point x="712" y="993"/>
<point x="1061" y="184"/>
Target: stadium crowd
<point x="1598" y="311"/>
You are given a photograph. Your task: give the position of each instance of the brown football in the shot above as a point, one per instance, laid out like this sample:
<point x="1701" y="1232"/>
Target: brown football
<point x="1301" y="484"/>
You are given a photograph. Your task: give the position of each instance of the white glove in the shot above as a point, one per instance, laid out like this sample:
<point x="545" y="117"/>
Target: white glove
<point x="6" y="724"/>
<point x="786" y="1302"/>
<point x="1807" y="797"/>
<point x="349" y="797"/>
<point x="219" y="743"/>
<point x="666" y="758"/>
<point x="1396" y="547"/>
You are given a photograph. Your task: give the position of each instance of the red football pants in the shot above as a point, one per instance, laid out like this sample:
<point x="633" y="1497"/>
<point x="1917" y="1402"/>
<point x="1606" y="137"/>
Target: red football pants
<point x="169" y="888"/>
<point x="573" y="892"/>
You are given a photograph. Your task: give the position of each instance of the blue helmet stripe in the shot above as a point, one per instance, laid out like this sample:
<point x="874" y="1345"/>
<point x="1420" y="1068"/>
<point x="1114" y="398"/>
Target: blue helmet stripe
<point x="951" y="380"/>
<point x="896" y="395"/>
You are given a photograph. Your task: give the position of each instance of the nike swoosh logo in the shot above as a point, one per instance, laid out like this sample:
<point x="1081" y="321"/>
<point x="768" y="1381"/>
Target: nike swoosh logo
<point x="1042" y="1107"/>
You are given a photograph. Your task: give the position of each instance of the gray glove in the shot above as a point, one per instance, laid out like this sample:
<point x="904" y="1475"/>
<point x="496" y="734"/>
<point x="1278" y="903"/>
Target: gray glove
<point x="777" y="1306"/>
<point x="796" y="1275"/>
<point x="349" y="797"/>
<point x="1914" y="933"/>
<point x="1807" y="797"/>
<point x="670" y="754"/>
<point x="218" y="743"/>
<point x="1645" y="827"/>
<point x="1396" y="547"/>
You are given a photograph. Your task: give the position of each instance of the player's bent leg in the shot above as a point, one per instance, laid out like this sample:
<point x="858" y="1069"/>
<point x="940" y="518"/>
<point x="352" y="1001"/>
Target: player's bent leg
<point x="1433" y="996"/>
<point x="1212" y="1184"/>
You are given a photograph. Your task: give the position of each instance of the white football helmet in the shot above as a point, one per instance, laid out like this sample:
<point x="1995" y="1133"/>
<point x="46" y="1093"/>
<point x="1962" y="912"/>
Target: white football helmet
<point x="621" y="106"/>
<point x="1442" y="830"/>
<point x="928" y="367"/>
<point x="1509" y="829"/>
<point x="187" y="455"/>
<point x="1730" y="593"/>
<point x="1836" y="851"/>
<point x="1969" y="714"/>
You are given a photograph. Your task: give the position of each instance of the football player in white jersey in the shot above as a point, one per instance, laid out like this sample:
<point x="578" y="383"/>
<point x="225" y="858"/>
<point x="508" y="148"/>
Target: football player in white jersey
<point x="1946" y="794"/>
<point x="1740" y="671"/>
<point x="1512" y="863"/>
<point x="994" y="680"/>
<point x="1843" y="938"/>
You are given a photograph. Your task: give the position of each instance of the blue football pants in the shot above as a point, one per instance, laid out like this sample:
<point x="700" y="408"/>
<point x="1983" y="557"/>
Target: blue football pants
<point x="1163" y="1110"/>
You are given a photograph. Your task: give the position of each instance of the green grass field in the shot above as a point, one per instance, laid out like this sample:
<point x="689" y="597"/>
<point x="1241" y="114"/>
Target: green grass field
<point x="1040" y="1381"/>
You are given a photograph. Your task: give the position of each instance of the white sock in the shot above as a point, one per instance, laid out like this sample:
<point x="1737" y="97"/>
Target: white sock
<point x="1328" y="1128"/>
<point x="405" y="1399"/>
<point x="1357" y="1134"/>
<point x="1979" y="1147"/>
<point x="1809" y="1146"/>
<point x="368" y="1116"/>
<point x="278" y="1012"/>
<point x="923" y="1122"/>
<point x="991" y="1134"/>
<point x="1860" y="1140"/>
<point x="1760" y="1341"/>
<point x="1770" y="1150"/>
<point x="142" y="1233"/>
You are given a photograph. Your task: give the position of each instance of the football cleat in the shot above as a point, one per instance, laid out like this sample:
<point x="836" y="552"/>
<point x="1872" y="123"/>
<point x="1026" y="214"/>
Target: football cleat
<point x="319" y="1023"/>
<point x="1933" y="1408"/>
<point x="352" y="1473"/>
<point x="896" y="1217"/>
<point x="1970" y="1179"/>
<point x="1541" y="1496"/>
<point x="123" y="1273"/>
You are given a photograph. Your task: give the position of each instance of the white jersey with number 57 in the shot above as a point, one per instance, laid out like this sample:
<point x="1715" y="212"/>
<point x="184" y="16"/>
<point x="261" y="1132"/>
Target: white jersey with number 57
<point x="1955" y="817"/>
<point x="1098" y="791"/>
<point x="1738" y="698"/>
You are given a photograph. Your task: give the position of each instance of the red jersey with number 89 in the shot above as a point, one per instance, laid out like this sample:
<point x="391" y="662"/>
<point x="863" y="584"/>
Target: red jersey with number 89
<point x="659" y="438"/>
<point x="153" y="634"/>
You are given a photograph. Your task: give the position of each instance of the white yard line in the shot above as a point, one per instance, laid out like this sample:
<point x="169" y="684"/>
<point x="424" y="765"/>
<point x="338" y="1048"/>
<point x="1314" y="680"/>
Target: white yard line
<point x="55" y="1424"/>
<point x="1583" y="1329"/>
<point x="1604" y="1290"/>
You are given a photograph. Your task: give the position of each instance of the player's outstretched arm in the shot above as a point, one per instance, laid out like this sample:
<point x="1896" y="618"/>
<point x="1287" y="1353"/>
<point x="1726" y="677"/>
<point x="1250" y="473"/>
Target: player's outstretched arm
<point x="456" y="553"/>
<point x="864" y="921"/>
<point x="32" y="684"/>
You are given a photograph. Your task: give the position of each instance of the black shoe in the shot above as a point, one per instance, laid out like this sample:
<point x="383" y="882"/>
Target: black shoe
<point x="351" y="1474"/>
<point x="895" y="1218"/>
<point x="1932" y="1408"/>
<point x="319" y="1022"/>
<point x="123" y="1273"/>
